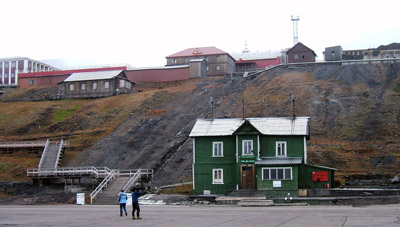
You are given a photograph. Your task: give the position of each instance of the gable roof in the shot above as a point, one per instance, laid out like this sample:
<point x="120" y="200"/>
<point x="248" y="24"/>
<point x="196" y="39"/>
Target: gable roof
<point x="265" y="125"/>
<point x="100" y="75"/>
<point x="197" y="51"/>
<point x="299" y="44"/>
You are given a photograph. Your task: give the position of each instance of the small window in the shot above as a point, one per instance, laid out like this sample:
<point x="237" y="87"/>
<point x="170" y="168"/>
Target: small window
<point x="296" y="56"/>
<point x="303" y="56"/>
<point x="107" y="84"/>
<point x="218" y="149"/>
<point x="247" y="146"/>
<point x="218" y="68"/>
<point x="174" y="61"/>
<point x="218" y="176"/>
<point x="71" y="87"/>
<point x="12" y="75"/>
<point x="12" y="64"/>
<point x="6" y="65"/>
<point x="206" y="58"/>
<point x="6" y="75"/>
<point x="186" y="60"/>
<point x="281" y="149"/>
<point x="94" y="85"/>
<point x="122" y="83"/>
<point x="83" y="87"/>
<point x="31" y="82"/>
<point x="218" y="58"/>
<point x="277" y="173"/>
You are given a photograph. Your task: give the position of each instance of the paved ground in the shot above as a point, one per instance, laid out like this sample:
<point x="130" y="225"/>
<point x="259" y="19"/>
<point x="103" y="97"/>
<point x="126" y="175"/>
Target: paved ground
<point x="104" y="215"/>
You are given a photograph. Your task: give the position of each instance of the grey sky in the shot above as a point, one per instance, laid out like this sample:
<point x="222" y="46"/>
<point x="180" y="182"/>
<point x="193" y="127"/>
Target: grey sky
<point x="141" y="33"/>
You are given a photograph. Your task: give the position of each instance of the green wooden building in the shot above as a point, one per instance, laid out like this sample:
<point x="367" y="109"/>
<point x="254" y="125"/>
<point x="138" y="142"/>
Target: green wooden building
<point x="265" y="154"/>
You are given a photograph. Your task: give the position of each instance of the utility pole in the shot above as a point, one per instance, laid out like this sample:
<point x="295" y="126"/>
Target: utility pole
<point x="295" y="29"/>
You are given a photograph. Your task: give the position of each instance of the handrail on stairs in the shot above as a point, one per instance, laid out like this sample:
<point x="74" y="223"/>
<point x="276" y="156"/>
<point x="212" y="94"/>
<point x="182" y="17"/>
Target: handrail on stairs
<point x="58" y="154"/>
<point x="46" y="147"/>
<point x="132" y="180"/>
<point x="102" y="185"/>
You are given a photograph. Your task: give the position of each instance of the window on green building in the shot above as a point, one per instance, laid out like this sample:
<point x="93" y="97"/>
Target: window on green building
<point x="218" y="176"/>
<point x="281" y="148"/>
<point x="247" y="147"/>
<point x="218" y="149"/>
<point x="277" y="173"/>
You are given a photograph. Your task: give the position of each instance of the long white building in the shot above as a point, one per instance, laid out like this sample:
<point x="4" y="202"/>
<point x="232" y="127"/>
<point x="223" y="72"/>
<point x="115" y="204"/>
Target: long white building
<point x="11" y="67"/>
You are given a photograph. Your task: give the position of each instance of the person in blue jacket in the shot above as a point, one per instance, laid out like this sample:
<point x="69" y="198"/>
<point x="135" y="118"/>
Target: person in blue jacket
<point x="136" y="193"/>
<point x="123" y="197"/>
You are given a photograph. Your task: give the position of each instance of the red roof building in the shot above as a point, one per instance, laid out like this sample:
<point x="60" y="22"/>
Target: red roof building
<point x="218" y="62"/>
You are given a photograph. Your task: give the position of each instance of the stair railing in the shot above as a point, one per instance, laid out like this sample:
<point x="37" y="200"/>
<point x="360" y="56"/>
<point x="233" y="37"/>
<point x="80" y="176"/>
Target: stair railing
<point x="46" y="147"/>
<point x="128" y="186"/>
<point x="102" y="185"/>
<point x="58" y="154"/>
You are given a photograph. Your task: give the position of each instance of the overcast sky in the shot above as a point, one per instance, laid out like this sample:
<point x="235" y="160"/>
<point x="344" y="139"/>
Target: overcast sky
<point x="142" y="33"/>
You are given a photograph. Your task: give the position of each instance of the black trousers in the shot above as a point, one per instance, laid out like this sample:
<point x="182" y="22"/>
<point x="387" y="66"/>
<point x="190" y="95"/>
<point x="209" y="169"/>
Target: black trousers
<point x="135" y="207"/>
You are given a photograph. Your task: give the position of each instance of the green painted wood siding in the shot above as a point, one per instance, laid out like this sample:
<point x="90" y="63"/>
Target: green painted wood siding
<point x="205" y="163"/>
<point x="295" y="145"/>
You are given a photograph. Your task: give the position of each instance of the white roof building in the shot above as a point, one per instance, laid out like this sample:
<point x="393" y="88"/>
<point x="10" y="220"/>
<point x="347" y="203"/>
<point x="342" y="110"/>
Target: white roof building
<point x="100" y="75"/>
<point x="265" y="125"/>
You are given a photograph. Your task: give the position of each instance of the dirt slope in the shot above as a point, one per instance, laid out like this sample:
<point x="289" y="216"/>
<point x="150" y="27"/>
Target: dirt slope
<point x="354" y="109"/>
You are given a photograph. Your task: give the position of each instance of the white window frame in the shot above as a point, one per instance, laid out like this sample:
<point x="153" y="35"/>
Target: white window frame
<point x="296" y="56"/>
<point x="31" y="82"/>
<point x="83" y="87"/>
<point x="269" y="177"/>
<point x="244" y="147"/>
<point x="218" y="58"/>
<point x="106" y="84"/>
<point x="94" y="86"/>
<point x="278" y="147"/>
<point x="215" y="179"/>
<point x="218" y="68"/>
<point x="71" y="87"/>
<point x="218" y="153"/>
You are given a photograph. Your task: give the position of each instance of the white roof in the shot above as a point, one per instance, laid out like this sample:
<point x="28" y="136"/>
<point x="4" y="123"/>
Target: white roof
<point x="216" y="127"/>
<point x="257" y="55"/>
<point x="99" y="75"/>
<point x="265" y="125"/>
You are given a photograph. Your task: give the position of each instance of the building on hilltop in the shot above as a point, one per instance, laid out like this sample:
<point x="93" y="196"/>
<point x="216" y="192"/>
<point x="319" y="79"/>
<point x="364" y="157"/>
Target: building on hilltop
<point x="95" y="84"/>
<point x="218" y="62"/>
<point x="382" y="52"/>
<point x="264" y="154"/>
<point x="37" y="79"/>
<point x="333" y="53"/>
<point x="260" y="60"/>
<point x="300" y="53"/>
<point x="11" y="68"/>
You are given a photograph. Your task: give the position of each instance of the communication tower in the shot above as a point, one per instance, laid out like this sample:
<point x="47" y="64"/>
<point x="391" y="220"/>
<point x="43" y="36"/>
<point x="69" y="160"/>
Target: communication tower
<point x="295" y="29"/>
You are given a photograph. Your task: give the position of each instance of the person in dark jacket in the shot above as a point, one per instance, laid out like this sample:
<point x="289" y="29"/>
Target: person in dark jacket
<point x="123" y="197"/>
<point x="135" y="203"/>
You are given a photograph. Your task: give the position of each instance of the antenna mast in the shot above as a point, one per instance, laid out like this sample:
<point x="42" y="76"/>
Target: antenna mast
<point x="295" y="29"/>
<point x="292" y="100"/>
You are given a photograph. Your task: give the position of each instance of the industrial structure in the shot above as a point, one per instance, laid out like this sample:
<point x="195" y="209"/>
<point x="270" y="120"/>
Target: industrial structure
<point x="10" y="68"/>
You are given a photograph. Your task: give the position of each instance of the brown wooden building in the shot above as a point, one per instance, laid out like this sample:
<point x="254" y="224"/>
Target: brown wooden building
<point x="300" y="53"/>
<point x="218" y="62"/>
<point x="95" y="84"/>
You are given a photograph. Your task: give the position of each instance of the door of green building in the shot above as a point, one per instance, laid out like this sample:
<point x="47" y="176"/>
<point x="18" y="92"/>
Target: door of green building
<point x="247" y="176"/>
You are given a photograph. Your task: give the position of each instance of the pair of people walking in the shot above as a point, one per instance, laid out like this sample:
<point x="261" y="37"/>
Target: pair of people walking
<point x="123" y="198"/>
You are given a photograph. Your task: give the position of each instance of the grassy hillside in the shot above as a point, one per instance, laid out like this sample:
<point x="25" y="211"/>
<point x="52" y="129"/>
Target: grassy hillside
<point x="355" y="120"/>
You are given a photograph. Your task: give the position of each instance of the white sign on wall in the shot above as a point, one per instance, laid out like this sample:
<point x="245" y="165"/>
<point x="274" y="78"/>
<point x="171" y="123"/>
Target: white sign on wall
<point x="277" y="184"/>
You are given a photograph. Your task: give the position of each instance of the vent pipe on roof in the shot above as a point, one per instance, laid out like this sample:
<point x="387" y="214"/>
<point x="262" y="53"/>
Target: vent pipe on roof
<point x="292" y="101"/>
